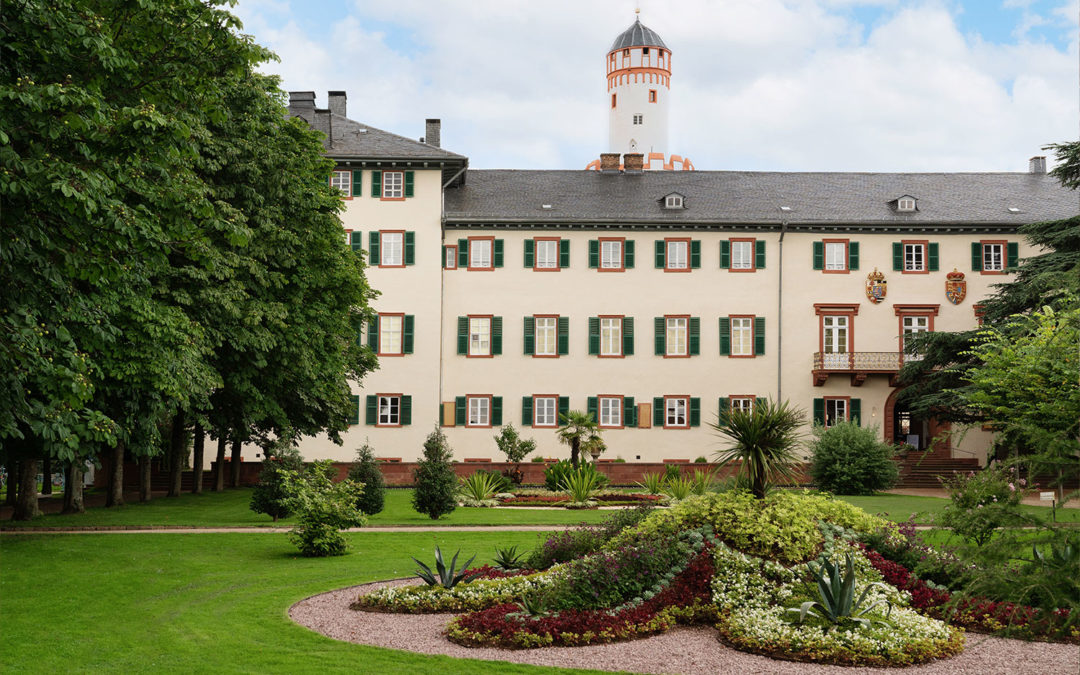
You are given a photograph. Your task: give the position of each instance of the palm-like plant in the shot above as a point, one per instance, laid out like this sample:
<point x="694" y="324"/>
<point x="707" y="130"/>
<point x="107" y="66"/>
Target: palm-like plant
<point x="652" y="483"/>
<point x="838" y="597"/>
<point x="581" y="485"/>
<point x="703" y="481"/>
<point x="480" y="486"/>
<point x="764" y="440"/>
<point x="577" y="427"/>
<point x="678" y="488"/>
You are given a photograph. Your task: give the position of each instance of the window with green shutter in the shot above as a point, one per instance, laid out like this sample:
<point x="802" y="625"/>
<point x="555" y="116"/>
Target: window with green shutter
<point x="695" y="411"/>
<point x="660" y="254"/>
<point x="407" y="334"/>
<point x="897" y="257"/>
<point x="658" y="411"/>
<point x="628" y="335"/>
<point x="357" y="182"/>
<point x="819" y="411"/>
<point x="725" y="254"/>
<point x="409" y="190"/>
<point x="530" y="255"/>
<point x="695" y="254"/>
<point x="1013" y="256"/>
<point x="564" y="254"/>
<point x="371" y="414"/>
<point x="594" y="253"/>
<point x="564" y="407"/>
<point x="526" y="411"/>
<point x="853" y="255"/>
<point x="564" y="335"/>
<point x="461" y="409"/>
<point x="725" y="336"/>
<point x="353" y="415"/>
<point x="356" y="240"/>
<point x="376" y="184"/>
<point x="529" y="334"/>
<point x="628" y="254"/>
<point x="629" y="412"/>
<point x="463" y="335"/>
<point x="759" y="335"/>
<point x="594" y="335"/>
<point x="496" y="411"/>
<point x="496" y="335"/>
<point x="819" y="255"/>
<point x="723" y="409"/>
<point x="373" y="334"/>
<point x="410" y="248"/>
<point x="660" y="337"/>
<point x="373" y="248"/>
<point x="463" y="253"/>
<point x="497" y="255"/>
<point x="592" y="406"/>
<point x="932" y="256"/>
<point x="976" y="256"/>
<point x="759" y="254"/>
<point x="695" y="336"/>
<point x="855" y="411"/>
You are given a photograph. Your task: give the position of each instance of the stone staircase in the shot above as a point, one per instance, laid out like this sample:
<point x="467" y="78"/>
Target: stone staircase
<point x="921" y="471"/>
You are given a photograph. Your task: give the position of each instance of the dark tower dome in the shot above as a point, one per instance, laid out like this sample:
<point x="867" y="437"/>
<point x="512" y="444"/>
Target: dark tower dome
<point x="637" y="36"/>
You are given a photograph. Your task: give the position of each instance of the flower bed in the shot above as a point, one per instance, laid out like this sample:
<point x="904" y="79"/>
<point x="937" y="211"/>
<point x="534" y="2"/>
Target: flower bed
<point x="606" y="499"/>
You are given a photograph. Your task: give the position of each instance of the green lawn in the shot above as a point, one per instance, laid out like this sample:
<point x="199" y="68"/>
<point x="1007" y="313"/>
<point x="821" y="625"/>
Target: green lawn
<point x="185" y="603"/>
<point x="900" y="507"/>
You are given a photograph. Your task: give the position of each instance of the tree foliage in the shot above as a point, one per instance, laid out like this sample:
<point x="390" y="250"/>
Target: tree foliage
<point x="847" y="459"/>
<point x="324" y="508"/>
<point x="436" y="485"/>
<point x="763" y="440"/>
<point x="271" y="495"/>
<point x="365" y="469"/>
<point x="577" y="428"/>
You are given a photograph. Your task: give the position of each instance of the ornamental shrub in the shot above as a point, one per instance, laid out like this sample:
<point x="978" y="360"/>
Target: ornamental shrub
<point x="512" y="445"/>
<point x="436" y="484"/>
<point x="365" y="470"/>
<point x="576" y="542"/>
<point x="556" y="474"/>
<point x="323" y="509"/>
<point x="271" y="495"/>
<point x="847" y="459"/>
<point x="981" y="502"/>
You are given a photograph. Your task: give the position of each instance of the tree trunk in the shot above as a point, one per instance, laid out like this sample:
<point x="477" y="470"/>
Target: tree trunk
<point x="12" y="483"/>
<point x="146" y="481"/>
<point x="234" y="465"/>
<point x="73" y="488"/>
<point x="219" y="467"/>
<point x="575" y="449"/>
<point x="26" y="507"/>
<point x="46" y="475"/>
<point x="177" y="453"/>
<point x="197" y="460"/>
<point x="115" y="494"/>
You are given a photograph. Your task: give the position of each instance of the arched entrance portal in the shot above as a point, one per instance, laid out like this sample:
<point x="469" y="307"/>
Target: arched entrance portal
<point x="901" y="426"/>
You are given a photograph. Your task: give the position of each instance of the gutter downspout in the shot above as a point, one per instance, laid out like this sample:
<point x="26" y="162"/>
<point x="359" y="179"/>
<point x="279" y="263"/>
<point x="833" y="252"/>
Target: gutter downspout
<point x="780" y="316"/>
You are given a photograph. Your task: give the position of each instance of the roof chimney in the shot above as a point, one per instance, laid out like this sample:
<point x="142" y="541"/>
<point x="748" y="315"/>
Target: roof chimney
<point x="337" y="102"/>
<point x="1037" y="164"/>
<point x="432" y="132"/>
<point x="609" y="161"/>
<point x="633" y="162"/>
<point x="301" y="103"/>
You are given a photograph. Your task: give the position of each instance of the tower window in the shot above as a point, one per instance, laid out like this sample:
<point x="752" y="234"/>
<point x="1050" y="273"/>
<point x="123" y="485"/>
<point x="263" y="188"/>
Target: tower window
<point x="644" y="51"/>
<point x="613" y="100"/>
<point x="626" y="52"/>
<point x="637" y="118"/>
<point x="652" y="96"/>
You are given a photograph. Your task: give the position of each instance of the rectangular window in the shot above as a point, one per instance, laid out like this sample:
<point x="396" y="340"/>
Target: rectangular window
<point x="389" y="411"/>
<point x="993" y="258"/>
<point x="451" y="257"/>
<point x="342" y="180"/>
<point x="742" y="254"/>
<point x="611" y="336"/>
<point x="613" y="100"/>
<point x="637" y="119"/>
<point x="390" y="334"/>
<point x="675" y="412"/>
<point x="912" y="325"/>
<point x="676" y="336"/>
<point x="479" y="411"/>
<point x="742" y="403"/>
<point x="611" y="411"/>
<point x="835" y="256"/>
<point x="480" y="253"/>
<point x="914" y="257"/>
<point x="547" y="254"/>
<point x="393" y="185"/>
<point x="836" y="410"/>
<point x="479" y="336"/>
<point x="547" y="331"/>
<point x="677" y="258"/>
<point x="611" y="254"/>
<point x="742" y="336"/>
<point x="545" y="411"/>
<point x="652" y="96"/>
<point x="391" y="249"/>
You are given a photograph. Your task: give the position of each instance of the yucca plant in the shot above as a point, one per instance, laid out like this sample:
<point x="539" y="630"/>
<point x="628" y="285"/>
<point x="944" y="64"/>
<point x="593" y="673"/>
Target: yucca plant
<point x="678" y="488"/>
<point x="480" y="486"/>
<point x="764" y="442"/>
<point x="652" y="483"/>
<point x="446" y="576"/>
<point x="508" y="558"/>
<point x="837" y="602"/>
<point x="703" y="481"/>
<point x="581" y="485"/>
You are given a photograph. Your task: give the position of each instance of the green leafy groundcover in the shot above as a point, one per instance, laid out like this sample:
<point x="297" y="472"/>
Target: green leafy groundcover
<point x="725" y="559"/>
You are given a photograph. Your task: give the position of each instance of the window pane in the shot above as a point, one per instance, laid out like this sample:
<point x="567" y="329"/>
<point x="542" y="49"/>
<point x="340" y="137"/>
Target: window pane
<point x="992" y="260"/>
<point x="675" y="412"/>
<point x="835" y="411"/>
<point x="389" y="409"/>
<point x="742" y="403"/>
<point x="390" y="248"/>
<point x="390" y="334"/>
<point x="742" y="255"/>
<point x="611" y="255"/>
<point x="676" y="255"/>
<point x="742" y="336"/>
<point x="451" y="257"/>
<point x="478" y="412"/>
<point x="610" y="412"/>
<point x="479" y="253"/>
<point x="610" y="337"/>
<point x="342" y="180"/>
<point x="546" y="333"/>
<point x="547" y="254"/>
<point x="392" y="184"/>
<point x="544" y="408"/>
<point x="676" y="337"/>
<point x="480" y="337"/>
<point x="913" y="258"/>
<point x="835" y="256"/>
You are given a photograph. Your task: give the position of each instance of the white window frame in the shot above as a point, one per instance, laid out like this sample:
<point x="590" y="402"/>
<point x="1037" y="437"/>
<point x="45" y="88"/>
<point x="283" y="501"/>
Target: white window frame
<point x="547" y="254"/>
<point x="913" y="324"/>
<point x="677" y="254"/>
<point x="610" y="411"/>
<point x="545" y="411"/>
<point x="673" y="202"/>
<point x="451" y="253"/>
<point x="676" y="336"/>
<point x="393" y="185"/>
<point x="915" y="257"/>
<point x="836" y="256"/>
<point x="479" y="336"/>
<point x="836" y="409"/>
<point x="342" y="180"/>
<point x="639" y="118"/>
<point x="674" y="407"/>
<point x="391" y="332"/>
<point x="481" y="252"/>
<point x="549" y="344"/>
<point x="905" y="204"/>
<point x="742" y="255"/>
<point x="478" y="411"/>
<point x="389" y="411"/>
<point x="745" y="403"/>
<point x="743" y="327"/>
<point x="611" y="254"/>
<point x="391" y="249"/>
<point x="611" y="336"/>
<point x="993" y="257"/>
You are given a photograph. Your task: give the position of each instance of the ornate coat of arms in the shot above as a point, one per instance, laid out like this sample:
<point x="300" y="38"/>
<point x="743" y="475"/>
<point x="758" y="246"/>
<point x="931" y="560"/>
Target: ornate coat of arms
<point x="955" y="287"/>
<point x="875" y="286"/>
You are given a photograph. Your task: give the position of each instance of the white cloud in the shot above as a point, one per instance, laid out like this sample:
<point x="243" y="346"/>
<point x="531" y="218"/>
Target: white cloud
<point x="757" y="84"/>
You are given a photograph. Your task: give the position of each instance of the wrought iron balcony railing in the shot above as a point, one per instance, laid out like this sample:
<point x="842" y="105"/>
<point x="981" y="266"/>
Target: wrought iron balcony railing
<point x="853" y="361"/>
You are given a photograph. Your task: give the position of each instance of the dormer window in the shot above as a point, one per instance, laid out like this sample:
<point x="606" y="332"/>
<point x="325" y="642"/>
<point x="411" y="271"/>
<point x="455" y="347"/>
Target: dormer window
<point x="905" y="204"/>
<point x="674" y="201"/>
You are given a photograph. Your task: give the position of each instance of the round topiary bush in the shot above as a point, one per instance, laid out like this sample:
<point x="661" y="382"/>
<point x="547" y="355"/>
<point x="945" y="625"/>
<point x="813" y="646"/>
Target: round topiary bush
<point x="847" y="459"/>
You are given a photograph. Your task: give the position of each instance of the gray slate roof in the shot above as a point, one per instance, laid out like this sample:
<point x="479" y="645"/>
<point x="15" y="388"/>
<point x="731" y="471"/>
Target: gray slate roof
<point x="754" y="198"/>
<point x="637" y="36"/>
<point x="346" y="138"/>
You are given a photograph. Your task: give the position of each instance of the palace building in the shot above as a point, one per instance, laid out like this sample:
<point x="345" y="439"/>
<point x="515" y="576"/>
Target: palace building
<point x="654" y="299"/>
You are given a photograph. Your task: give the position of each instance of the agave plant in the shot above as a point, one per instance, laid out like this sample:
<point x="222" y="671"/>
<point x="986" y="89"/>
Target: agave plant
<point x="653" y="483"/>
<point x="678" y="488"/>
<point x="508" y="558"/>
<point x="446" y="578"/>
<point x="703" y="481"/>
<point x="535" y="605"/>
<point x="838" y="597"/>
<point x="581" y="485"/>
<point x="480" y="486"/>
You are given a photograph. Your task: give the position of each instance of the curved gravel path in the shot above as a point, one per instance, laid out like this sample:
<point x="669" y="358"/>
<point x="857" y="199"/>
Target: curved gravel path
<point x="684" y="650"/>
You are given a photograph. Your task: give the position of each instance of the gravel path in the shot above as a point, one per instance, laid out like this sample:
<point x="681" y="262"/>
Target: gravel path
<point x="687" y="651"/>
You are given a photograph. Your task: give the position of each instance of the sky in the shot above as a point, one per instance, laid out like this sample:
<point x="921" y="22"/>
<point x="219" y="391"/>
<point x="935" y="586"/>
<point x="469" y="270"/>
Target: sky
<point x="770" y="85"/>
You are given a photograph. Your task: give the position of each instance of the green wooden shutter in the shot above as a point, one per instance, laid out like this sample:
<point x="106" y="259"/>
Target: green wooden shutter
<point x="658" y="411"/>
<point x="695" y="336"/>
<point x="1013" y="258"/>
<point x="373" y="334"/>
<point x="628" y="335"/>
<point x="855" y="413"/>
<point x="371" y="413"/>
<point x="819" y="255"/>
<point x="496" y="335"/>
<point x="497" y="253"/>
<point x="628" y="254"/>
<point x="407" y="337"/>
<point x="408" y="183"/>
<point x="695" y="254"/>
<point x="357" y="182"/>
<point x="976" y="256"/>
<point x="530" y="336"/>
<point x="724" y="409"/>
<point x="376" y="184"/>
<point x="594" y="253"/>
<point x="496" y="411"/>
<point x="564" y="407"/>
<point x="353" y="415"/>
<point x="898" y="256"/>
<point x="410" y="248"/>
<point x="406" y="410"/>
<point x="564" y="335"/>
<point x="819" y="411"/>
<point x="629" y="413"/>
<point x="759" y="254"/>
<point x="725" y="336"/>
<point x="373" y="248"/>
<point x="660" y="325"/>
<point x="462" y="252"/>
<point x="356" y="240"/>
<point x="725" y="254"/>
<point x="594" y="335"/>
<point x="461" y="405"/>
<point x="695" y="411"/>
<point x="564" y="253"/>
<point x="759" y="335"/>
<point x="932" y="256"/>
<point x="853" y="255"/>
<point x="593" y="407"/>
<point x="463" y="335"/>
<point x="526" y="411"/>
<point x="661" y="258"/>
<point x="530" y="253"/>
